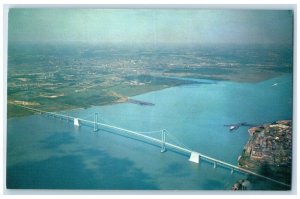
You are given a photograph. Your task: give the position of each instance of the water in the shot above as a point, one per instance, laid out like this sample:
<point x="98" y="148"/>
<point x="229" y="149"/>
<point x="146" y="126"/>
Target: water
<point x="45" y="152"/>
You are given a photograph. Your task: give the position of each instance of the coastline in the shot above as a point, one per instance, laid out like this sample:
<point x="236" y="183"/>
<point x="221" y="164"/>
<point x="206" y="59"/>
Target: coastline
<point x="103" y="96"/>
<point x="118" y="99"/>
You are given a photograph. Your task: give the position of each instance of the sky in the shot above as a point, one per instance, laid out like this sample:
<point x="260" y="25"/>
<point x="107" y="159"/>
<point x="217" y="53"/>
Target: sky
<point x="188" y="26"/>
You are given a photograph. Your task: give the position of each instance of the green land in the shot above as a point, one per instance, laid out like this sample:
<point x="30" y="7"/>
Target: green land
<point x="61" y="77"/>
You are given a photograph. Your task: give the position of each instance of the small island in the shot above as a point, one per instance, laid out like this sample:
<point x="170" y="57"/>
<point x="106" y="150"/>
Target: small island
<point x="269" y="151"/>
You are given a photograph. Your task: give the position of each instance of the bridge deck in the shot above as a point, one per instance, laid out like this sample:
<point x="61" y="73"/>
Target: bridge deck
<point x="188" y="151"/>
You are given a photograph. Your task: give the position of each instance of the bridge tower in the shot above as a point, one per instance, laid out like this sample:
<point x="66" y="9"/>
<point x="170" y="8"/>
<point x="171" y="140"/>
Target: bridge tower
<point x="163" y="141"/>
<point x="95" y="122"/>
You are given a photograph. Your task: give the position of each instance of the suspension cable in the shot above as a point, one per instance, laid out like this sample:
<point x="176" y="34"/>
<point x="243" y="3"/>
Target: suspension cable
<point x="148" y="132"/>
<point x="177" y="141"/>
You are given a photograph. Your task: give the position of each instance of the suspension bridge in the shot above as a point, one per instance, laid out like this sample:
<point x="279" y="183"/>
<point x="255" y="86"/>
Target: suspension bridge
<point x="194" y="156"/>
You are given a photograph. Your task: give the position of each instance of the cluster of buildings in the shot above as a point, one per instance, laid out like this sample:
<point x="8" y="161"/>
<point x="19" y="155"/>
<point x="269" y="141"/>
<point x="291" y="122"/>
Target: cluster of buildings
<point x="270" y="143"/>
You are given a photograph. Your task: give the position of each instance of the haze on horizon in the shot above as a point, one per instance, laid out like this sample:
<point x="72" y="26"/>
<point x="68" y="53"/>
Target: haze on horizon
<point x="138" y="26"/>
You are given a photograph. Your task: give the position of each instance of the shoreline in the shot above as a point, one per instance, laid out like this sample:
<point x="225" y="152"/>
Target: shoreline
<point x="105" y="103"/>
<point x="114" y="93"/>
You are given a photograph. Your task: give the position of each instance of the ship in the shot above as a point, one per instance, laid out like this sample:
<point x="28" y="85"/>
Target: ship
<point x="233" y="127"/>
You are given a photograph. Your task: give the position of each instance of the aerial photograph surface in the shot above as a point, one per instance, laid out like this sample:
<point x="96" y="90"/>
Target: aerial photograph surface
<point x="149" y="99"/>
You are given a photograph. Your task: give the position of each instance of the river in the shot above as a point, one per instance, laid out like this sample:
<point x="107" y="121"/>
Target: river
<point x="48" y="153"/>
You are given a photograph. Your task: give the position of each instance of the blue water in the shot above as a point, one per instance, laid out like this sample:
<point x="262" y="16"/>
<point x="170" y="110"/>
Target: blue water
<point x="45" y="152"/>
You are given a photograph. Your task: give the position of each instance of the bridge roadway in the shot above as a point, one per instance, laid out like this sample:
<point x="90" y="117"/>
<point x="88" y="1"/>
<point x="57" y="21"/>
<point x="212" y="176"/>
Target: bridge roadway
<point x="188" y="151"/>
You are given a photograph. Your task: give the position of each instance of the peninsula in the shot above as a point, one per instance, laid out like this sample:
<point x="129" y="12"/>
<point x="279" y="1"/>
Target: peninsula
<point x="269" y="150"/>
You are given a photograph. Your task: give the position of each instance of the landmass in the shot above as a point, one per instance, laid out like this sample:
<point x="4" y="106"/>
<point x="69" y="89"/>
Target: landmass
<point x="269" y="151"/>
<point x="54" y="77"/>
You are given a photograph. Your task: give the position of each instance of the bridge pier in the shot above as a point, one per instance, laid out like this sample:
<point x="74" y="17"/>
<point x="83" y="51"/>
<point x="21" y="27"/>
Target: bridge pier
<point x="215" y="165"/>
<point x="231" y="171"/>
<point x="76" y="122"/>
<point x="195" y="157"/>
<point x="163" y="141"/>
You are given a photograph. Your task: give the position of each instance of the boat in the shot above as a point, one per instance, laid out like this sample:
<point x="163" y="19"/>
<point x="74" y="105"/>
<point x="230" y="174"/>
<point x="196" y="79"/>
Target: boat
<point x="233" y="127"/>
